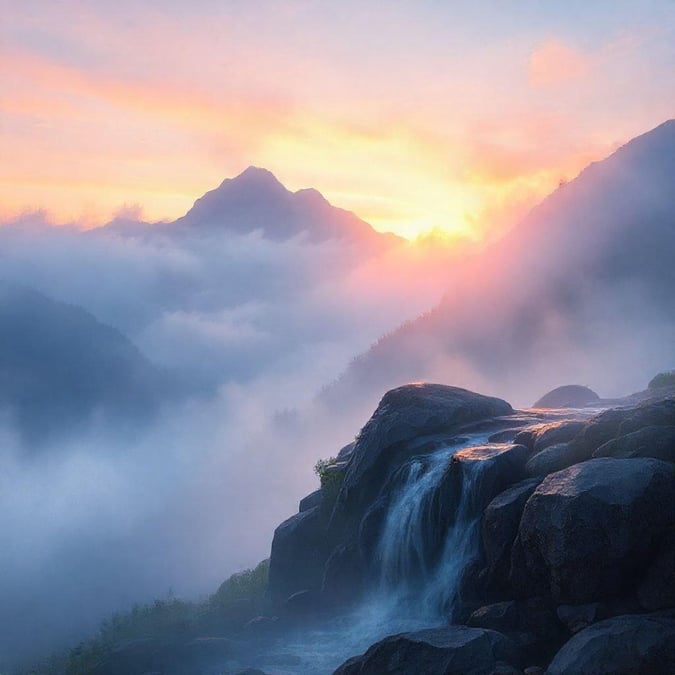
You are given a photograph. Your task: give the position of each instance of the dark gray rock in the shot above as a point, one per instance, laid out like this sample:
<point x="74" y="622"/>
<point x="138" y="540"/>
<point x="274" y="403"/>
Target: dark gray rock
<point x="611" y="424"/>
<point x="532" y="624"/>
<point x="660" y="412"/>
<point x="625" y="645"/>
<point x="302" y="603"/>
<point x="578" y="617"/>
<point x="298" y="555"/>
<point x="456" y="650"/>
<point x="498" y="531"/>
<point x="486" y="470"/>
<point x="261" y="625"/>
<point x="651" y="441"/>
<point x="657" y="589"/>
<point x="310" y="501"/>
<point x="526" y="437"/>
<point x="589" y="530"/>
<point x="344" y="575"/>
<point x="345" y="452"/>
<point x="556" y="432"/>
<point x="402" y="415"/>
<point x="504" y="436"/>
<point x="499" y="616"/>
<point x="555" y="458"/>
<point x="567" y="396"/>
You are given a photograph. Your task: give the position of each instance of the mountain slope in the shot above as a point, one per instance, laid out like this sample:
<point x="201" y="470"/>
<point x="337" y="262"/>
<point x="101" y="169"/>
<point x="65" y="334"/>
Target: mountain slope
<point x="60" y="367"/>
<point x="582" y="288"/>
<point x="256" y="200"/>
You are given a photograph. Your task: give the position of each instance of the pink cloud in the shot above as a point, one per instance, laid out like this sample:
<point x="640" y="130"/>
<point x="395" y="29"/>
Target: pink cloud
<point x="553" y="63"/>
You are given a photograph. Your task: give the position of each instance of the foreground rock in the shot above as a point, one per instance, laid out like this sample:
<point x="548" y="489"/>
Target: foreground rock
<point x="625" y="645"/>
<point x="651" y="441"/>
<point x="298" y="555"/>
<point x="551" y="545"/>
<point x="499" y="530"/>
<point x="404" y="414"/>
<point x="588" y="531"/>
<point x="457" y="650"/>
<point x="321" y="548"/>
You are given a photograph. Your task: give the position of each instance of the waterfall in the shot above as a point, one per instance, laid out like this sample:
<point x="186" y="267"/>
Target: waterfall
<point x="408" y="565"/>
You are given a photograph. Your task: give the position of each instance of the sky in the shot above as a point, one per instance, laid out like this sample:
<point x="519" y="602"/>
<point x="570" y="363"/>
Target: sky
<point x="416" y="115"/>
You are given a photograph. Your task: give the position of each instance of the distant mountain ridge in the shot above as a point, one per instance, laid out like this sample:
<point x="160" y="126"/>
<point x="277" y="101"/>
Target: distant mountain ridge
<point x="256" y="200"/>
<point x="60" y="368"/>
<point x="585" y="281"/>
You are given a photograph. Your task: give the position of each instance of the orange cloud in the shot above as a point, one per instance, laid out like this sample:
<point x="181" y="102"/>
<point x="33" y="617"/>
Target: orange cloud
<point x="553" y="63"/>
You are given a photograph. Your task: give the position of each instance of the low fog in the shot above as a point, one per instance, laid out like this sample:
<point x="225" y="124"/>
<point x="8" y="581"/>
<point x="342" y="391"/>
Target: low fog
<point x="245" y="331"/>
<point x="254" y="340"/>
<point x="580" y="291"/>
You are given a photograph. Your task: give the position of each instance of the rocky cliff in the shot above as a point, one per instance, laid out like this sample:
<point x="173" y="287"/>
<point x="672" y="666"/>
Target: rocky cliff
<point x="459" y="536"/>
<point x="531" y="540"/>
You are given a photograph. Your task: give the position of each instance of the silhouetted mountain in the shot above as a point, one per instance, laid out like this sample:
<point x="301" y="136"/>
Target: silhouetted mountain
<point x="256" y="200"/>
<point x="61" y="369"/>
<point x="582" y="288"/>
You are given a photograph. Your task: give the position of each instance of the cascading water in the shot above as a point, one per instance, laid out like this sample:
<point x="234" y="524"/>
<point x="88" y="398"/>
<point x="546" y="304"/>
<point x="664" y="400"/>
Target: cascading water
<point x="410" y="567"/>
<point x="418" y="568"/>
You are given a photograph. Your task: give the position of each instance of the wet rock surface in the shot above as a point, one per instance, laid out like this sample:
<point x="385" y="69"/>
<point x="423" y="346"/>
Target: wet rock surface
<point x="620" y="646"/>
<point x="452" y="650"/>
<point x="571" y="516"/>
<point x="587" y="531"/>
<point x="554" y="542"/>
<point x="404" y="414"/>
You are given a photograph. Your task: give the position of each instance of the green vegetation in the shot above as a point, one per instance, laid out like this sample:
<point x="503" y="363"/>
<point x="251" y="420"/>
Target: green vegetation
<point x="666" y="379"/>
<point x="239" y="599"/>
<point x="331" y="476"/>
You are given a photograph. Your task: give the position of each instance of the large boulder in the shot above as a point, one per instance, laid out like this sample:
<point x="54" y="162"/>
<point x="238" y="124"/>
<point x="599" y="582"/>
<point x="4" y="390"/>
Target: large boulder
<point x="531" y="624"/>
<point x="456" y="650"/>
<point x="556" y="457"/>
<point x="567" y="396"/>
<point x="310" y="501"/>
<point x="542" y="436"/>
<point x="611" y="424"/>
<point x="651" y="441"/>
<point x="624" y="645"/>
<point x="404" y="414"/>
<point x="481" y="473"/>
<point x="298" y="555"/>
<point x="657" y="589"/>
<point x="499" y="529"/>
<point x="588" y="531"/>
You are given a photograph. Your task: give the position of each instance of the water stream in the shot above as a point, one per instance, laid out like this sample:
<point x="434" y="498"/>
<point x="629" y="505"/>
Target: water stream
<point x="426" y="583"/>
<point x="417" y="582"/>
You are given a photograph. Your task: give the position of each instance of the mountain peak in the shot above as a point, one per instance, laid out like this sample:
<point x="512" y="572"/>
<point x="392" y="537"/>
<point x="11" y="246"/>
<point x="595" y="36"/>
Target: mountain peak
<point x="256" y="179"/>
<point x="256" y="200"/>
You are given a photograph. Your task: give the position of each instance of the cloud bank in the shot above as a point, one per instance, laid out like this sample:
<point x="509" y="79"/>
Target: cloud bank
<point x="250" y="330"/>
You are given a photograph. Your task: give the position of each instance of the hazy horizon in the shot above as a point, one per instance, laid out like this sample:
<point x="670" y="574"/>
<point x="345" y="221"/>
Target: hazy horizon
<point x="168" y="381"/>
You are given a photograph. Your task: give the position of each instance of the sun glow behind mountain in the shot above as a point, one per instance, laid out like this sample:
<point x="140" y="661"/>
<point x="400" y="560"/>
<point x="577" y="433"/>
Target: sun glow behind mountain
<point x="390" y="110"/>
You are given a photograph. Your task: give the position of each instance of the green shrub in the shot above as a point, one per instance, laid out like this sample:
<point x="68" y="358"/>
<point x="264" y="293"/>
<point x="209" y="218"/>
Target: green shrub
<point x="239" y="598"/>
<point x="666" y="379"/>
<point x="168" y="619"/>
<point x="247" y="585"/>
<point x="331" y="478"/>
